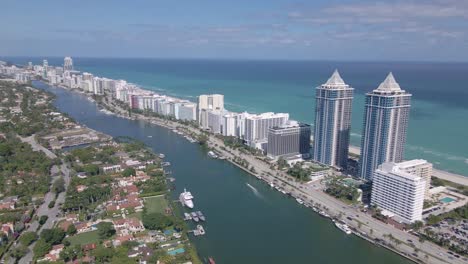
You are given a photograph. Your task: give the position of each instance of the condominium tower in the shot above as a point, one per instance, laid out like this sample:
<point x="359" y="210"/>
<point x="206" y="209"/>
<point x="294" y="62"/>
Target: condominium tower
<point x="68" y="64"/>
<point x="385" y="126"/>
<point x="210" y="102"/>
<point x="332" y="122"/>
<point x="398" y="192"/>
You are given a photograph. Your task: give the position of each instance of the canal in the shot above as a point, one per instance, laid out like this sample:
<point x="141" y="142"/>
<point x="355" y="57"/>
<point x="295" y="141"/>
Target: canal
<point x="244" y="224"/>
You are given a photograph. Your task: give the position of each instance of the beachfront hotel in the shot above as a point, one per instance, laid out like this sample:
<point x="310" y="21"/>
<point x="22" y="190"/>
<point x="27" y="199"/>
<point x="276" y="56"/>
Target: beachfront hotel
<point x="332" y="122"/>
<point x="385" y="126"/>
<point x="397" y="193"/>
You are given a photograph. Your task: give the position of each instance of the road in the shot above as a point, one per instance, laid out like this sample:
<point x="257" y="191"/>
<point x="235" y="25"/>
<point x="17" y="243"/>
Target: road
<point x="44" y="209"/>
<point x="37" y="147"/>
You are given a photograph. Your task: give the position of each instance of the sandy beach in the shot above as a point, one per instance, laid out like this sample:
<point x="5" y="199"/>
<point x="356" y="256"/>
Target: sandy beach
<point x="444" y="175"/>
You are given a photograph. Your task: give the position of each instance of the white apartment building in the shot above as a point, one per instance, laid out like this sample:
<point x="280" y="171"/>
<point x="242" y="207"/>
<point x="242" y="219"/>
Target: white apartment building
<point x="207" y="103"/>
<point x="398" y="193"/>
<point x="256" y="126"/>
<point x="418" y="167"/>
<point x="230" y="125"/>
<point x="188" y="111"/>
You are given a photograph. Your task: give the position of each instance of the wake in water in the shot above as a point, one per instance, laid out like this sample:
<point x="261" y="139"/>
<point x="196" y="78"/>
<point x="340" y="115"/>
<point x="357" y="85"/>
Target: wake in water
<point x="255" y="191"/>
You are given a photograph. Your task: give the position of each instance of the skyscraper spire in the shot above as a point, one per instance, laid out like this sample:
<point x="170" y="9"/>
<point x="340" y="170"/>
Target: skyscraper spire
<point x="335" y="79"/>
<point x="389" y="84"/>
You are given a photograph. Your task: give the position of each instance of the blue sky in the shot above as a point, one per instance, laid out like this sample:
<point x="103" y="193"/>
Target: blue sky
<point x="258" y="29"/>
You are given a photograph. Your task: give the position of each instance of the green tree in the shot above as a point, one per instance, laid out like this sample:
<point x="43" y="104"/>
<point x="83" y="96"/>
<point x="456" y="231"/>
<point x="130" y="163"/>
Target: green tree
<point x="156" y="221"/>
<point x="105" y="230"/>
<point x="43" y="219"/>
<point x="128" y="172"/>
<point x="41" y="248"/>
<point x="53" y="236"/>
<point x="71" y="230"/>
<point x="102" y="254"/>
<point x="19" y="252"/>
<point x="59" y="185"/>
<point x="27" y="238"/>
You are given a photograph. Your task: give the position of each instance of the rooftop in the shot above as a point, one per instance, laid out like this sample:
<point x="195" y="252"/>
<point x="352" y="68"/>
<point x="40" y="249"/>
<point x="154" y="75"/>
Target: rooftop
<point x="389" y="85"/>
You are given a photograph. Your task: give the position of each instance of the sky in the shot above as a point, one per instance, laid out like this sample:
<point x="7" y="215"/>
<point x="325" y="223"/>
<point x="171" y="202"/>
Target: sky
<point x="424" y="30"/>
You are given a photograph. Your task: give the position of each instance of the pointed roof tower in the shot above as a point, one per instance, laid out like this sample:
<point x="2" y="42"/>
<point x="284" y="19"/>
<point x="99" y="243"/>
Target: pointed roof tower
<point x="335" y="79"/>
<point x="389" y="85"/>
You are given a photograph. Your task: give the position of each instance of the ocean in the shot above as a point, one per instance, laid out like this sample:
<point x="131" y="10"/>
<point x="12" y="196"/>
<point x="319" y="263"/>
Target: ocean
<point x="439" y="114"/>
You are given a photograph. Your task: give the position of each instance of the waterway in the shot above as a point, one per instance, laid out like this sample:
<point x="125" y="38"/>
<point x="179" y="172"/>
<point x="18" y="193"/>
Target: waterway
<point x="244" y="224"/>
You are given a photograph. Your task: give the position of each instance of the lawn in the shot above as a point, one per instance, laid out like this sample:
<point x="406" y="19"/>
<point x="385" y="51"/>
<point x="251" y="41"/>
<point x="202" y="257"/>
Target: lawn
<point x="156" y="204"/>
<point x="84" y="238"/>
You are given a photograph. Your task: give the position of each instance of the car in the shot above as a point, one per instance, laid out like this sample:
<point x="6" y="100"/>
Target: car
<point x="409" y="240"/>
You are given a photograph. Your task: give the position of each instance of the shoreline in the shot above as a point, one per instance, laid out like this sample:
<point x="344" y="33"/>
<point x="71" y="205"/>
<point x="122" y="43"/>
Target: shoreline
<point x="441" y="174"/>
<point x="296" y="192"/>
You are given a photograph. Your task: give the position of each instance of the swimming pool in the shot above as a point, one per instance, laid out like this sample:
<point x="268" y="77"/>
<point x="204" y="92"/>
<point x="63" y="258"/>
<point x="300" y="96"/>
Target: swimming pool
<point x="176" y="251"/>
<point x="447" y="200"/>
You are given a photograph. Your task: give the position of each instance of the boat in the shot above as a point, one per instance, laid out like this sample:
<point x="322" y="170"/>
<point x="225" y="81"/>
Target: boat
<point x="150" y="136"/>
<point x="195" y="217"/>
<point x="186" y="199"/>
<point x="211" y="260"/>
<point x="343" y="228"/>
<point x="201" y="230"/>
<point x="200" y="215"/>
<point x="212" y="154"/>
<point x="299" y="201"/>
<point x="166" y="163"/>
<point x="162" y="156"/>
<point x="272" y="185"/>
<point x="187" y="216"/>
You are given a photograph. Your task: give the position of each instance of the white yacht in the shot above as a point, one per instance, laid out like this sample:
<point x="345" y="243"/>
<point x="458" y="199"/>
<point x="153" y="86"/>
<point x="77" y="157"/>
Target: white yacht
<point x="343" y="227"/>
<point x="186" y="199"/>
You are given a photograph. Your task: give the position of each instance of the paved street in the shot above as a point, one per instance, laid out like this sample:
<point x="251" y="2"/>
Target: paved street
<point x="52" y="213"/>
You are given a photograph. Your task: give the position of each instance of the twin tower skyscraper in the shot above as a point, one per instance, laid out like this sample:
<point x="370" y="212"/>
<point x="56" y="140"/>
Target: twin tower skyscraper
<point x="384" y="128"/>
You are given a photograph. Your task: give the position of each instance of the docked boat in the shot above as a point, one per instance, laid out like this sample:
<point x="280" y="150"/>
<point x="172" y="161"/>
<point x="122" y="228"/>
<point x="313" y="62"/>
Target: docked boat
<point x="187" y="216"/>
<point x="195" y="217"/>
<point x="211" y="260"/>
<point x="201" y="230"/>
<point x="212" y="154"/>
<point x="166" y="163"/>
<point x="299" y="201"/>
<point x="162" y="156"/>
<point x="200" y="215"/>
<point x="272" y="185"/>
<point x="186" y="199"/>
<point x="343" y="228"/>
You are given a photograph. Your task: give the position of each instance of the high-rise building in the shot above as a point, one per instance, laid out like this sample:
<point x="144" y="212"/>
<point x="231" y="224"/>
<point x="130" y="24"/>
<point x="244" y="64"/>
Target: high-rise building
<point x="68" y="64"/>
<point x="256" y="127"/>
<point x="45" y="66"/>
<point x="332" y="122"/>
<point x="207" y="103"/>
<point x="418" y="167"/>
<point x="398" y="193"/>
<point x="385" y="126"/>
<point x="291" y="139"/>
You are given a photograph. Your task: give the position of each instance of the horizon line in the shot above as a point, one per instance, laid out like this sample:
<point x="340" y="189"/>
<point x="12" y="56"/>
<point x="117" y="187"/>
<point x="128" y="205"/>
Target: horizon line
<point x="237" y="59"/>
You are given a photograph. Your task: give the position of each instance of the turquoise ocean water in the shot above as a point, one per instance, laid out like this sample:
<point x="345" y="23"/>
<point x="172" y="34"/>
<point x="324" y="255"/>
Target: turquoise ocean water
<point x="438" y="127"/>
